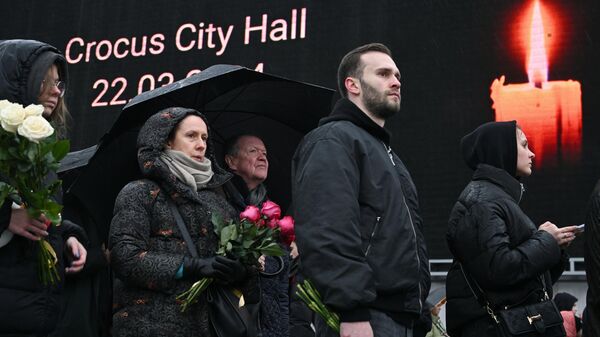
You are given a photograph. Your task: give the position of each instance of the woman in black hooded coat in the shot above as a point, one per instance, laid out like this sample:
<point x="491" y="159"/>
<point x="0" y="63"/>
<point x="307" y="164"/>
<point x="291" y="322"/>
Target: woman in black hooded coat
<point x="34" y="72"/>
<point x="498" y="246"/>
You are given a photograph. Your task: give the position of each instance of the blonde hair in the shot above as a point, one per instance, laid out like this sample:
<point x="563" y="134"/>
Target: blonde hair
<point x="60" y="118"/>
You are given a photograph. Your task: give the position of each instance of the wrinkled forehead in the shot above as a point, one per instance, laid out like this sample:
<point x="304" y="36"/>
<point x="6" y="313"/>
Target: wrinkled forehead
<point x="246" y="142"/>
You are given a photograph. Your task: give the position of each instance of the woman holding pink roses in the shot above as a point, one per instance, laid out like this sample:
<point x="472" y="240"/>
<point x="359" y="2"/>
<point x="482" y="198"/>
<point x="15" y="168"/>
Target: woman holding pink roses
<point x="149" y="255"/>
<point x="32" y="72"/>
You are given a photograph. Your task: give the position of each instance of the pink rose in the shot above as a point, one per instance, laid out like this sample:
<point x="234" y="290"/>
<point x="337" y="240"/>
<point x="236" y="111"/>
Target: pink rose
<point x="251" y="213"/>
<point x="271" y="210"/>
<point x="286" y="225"/>
<point x="272" y="223"/>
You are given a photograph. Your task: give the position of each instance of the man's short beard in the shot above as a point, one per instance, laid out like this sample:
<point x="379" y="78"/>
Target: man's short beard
<point x="377" y="103"/>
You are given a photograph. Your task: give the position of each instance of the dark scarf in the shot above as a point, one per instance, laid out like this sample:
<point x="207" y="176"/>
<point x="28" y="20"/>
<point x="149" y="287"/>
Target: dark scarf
<point x="240" y="196"/>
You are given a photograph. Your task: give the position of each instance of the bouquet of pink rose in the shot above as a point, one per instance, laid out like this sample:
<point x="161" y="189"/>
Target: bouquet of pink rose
<point x="255" y="234"/>
<point x="29" y="151"/>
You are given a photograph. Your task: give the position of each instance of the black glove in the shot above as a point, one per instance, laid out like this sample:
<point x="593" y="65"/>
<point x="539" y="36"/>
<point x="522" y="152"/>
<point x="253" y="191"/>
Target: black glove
<point x="251" y="286"/>
<point x="217" y="267"/>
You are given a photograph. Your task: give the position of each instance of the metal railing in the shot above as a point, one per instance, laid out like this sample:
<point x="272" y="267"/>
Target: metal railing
<point x="439" y="267"/>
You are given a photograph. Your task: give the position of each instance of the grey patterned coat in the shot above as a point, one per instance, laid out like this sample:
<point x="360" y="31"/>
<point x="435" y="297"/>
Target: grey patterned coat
<point x="147" y="248"/>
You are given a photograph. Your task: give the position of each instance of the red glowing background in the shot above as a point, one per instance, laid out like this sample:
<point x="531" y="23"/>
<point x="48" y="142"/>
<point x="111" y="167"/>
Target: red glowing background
<point x="549" y="111"/>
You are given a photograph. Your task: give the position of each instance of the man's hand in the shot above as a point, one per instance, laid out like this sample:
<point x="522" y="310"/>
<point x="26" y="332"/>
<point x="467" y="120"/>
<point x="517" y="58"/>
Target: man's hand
<point x="294" y="251"/>
<point x="356" y="329"/>
<point x="21" y="224"/>
<point x="78" y="254"/>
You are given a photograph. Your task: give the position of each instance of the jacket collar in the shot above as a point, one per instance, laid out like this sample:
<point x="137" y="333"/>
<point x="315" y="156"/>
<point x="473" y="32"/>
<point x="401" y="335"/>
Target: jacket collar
<point x="501" y="178"/>
<point x="345" y="110"/>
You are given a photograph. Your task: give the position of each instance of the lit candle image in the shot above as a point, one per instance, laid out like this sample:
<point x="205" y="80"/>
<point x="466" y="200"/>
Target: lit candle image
<point x="548" y="111"/>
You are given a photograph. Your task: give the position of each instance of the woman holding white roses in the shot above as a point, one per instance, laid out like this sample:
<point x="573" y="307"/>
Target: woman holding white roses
<point x="31" y="73"/>
<point x="149" y="256"/>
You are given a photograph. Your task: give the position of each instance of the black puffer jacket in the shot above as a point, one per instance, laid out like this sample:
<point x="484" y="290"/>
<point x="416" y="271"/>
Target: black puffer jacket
<point x="497" y="244"/>
<point x="358" y="227"/>
<point x="147" y="247"/>
<point x="25" y="305"/>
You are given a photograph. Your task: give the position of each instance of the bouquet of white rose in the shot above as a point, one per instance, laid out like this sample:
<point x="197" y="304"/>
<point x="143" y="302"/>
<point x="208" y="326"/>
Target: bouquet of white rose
<point x="29" y="151"/>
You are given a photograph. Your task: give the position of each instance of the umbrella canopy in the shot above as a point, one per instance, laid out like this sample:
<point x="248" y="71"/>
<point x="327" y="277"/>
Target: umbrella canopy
<point x="235" y="100"/>
<point x="76" y="159"/>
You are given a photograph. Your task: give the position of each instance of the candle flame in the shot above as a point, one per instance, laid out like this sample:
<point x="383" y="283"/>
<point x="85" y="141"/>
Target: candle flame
<point x="537" y="65"/>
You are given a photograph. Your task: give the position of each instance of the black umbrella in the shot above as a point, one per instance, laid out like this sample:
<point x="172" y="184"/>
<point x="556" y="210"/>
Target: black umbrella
<point x="235" y="100"/>
<point x="76" y="159"/>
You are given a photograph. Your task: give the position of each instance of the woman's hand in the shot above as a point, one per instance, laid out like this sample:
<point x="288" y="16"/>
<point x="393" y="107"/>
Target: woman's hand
<point x="77" y="253"/>
<point x="21" y="224"/>
<point x="563" y="236"/>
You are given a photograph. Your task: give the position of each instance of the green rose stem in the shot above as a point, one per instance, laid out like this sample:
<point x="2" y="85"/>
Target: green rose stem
<point x="190" y="296"/>
<point x="309" y="295"/>
<point x="47" y="263"/>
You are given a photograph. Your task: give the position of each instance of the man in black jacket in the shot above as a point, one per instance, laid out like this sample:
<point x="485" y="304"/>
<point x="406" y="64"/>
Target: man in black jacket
<point x="356" y="207"/>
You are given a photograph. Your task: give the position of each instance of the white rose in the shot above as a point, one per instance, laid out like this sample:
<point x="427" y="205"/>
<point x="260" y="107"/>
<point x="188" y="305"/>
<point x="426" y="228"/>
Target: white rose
<point x="11" y="116"/>
<point x="4" y="103"/>
<point x="34" y="110"/>
<point x="35" y="128"/>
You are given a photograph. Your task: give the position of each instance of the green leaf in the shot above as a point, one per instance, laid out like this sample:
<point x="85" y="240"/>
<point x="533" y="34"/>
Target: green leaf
<point x="247" y="243"/>
<point x="14" y="152"/>
<point x="5" y="190"/>
<point x="272" y="250"/>
<point x="234" y="233"/>
<point x="60" y="149"/>
<point x="217" y="221"/>
<point x="24" y="167"/>
<point x="225" y="236"/>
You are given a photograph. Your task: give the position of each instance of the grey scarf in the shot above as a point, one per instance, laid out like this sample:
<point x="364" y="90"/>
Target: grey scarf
<point x="191" y="172"/>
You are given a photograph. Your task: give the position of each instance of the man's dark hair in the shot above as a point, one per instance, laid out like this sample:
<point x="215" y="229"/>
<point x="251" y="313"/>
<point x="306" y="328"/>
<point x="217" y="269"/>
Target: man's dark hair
<point x="351" y="66"/>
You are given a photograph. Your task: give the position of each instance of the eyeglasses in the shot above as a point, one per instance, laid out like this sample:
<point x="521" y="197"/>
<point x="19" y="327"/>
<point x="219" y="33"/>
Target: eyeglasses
<point x="60" y="85"/>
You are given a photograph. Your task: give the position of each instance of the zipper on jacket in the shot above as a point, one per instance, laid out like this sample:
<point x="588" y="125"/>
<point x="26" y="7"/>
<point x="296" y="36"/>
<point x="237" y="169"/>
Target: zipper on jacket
<point x="416" y="253"/>
<point x="377" y="220"/>
<point x="388" y="149"/>
<point x="522" y="191"/>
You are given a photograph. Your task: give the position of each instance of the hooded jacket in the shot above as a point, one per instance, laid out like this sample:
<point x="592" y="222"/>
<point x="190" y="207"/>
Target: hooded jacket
<point x="498" y="246"/>
<point x="23" y="65"/>
<point x="146" y="245"/>
<point x="358" y="228"/>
